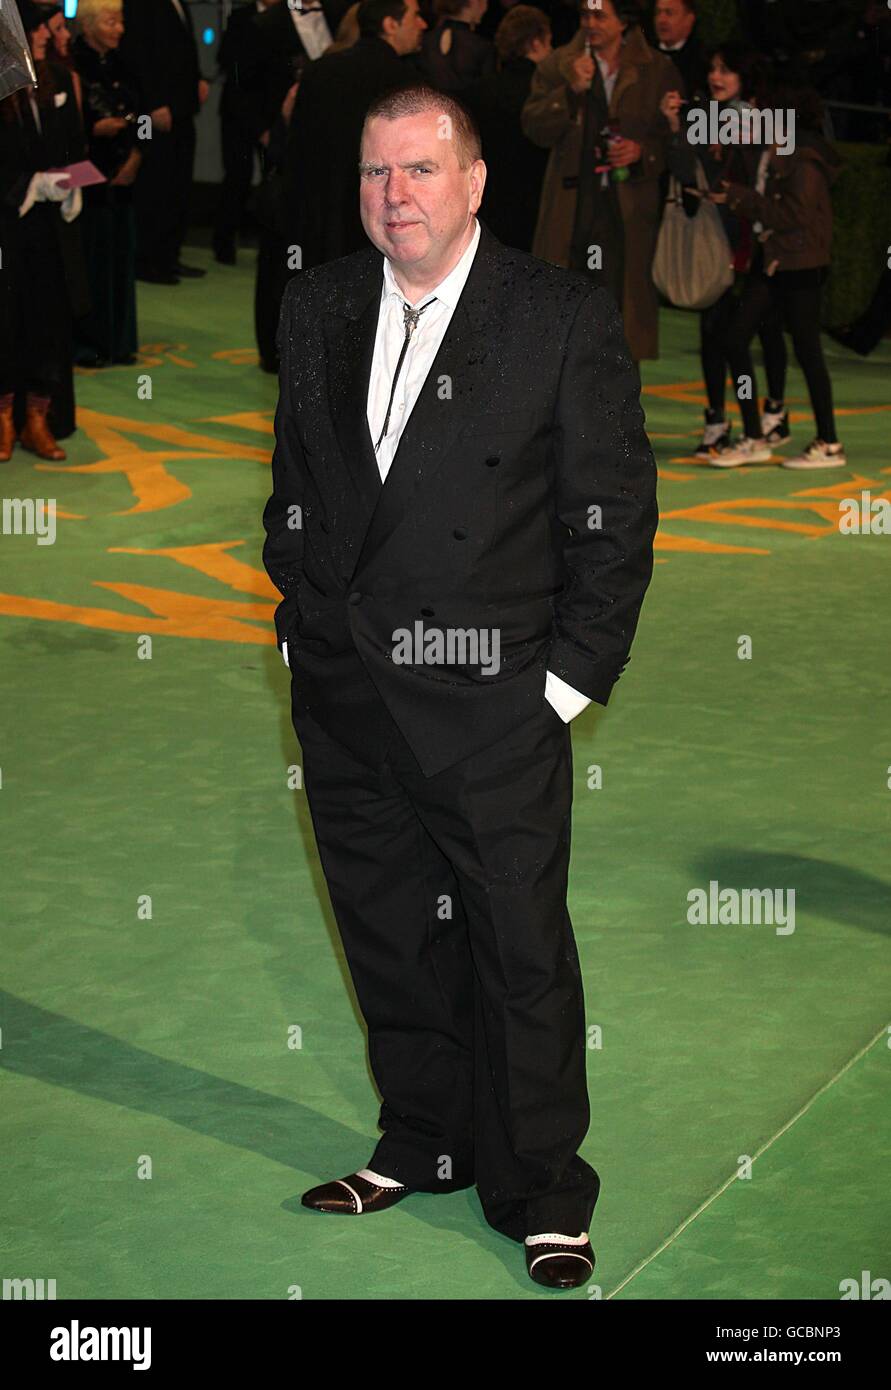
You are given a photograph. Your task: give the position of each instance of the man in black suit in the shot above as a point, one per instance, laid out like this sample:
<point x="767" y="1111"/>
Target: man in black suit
<point x="677" y="36"/>
<point x="461" y="527"/>
<point x="244" y="124"/>
<point x="323" y="139"/>
<point x="293" y="34"/>
<point x="159" y="50"/>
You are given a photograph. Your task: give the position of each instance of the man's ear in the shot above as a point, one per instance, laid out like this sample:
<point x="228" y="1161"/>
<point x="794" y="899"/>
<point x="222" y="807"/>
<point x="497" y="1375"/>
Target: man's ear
<point x="477" y="182"/>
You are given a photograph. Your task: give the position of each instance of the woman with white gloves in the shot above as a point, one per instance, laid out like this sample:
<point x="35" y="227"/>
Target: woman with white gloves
<point x="41" y="279"/>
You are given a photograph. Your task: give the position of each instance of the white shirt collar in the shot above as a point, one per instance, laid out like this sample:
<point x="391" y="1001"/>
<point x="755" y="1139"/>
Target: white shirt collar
<point x="449" y="289"/>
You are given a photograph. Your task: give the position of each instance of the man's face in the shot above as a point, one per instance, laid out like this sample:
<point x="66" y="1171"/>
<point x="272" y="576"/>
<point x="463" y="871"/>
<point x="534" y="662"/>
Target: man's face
<point x="415" y="199"/>
<point x="405" y="34"/>
<point x="672" y="21"/>
<point x="598" y="22"/>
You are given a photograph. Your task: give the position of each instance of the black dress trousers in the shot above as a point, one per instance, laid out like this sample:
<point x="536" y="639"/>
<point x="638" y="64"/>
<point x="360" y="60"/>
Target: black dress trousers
<point x="161" y="194"/>
<point x="450" y="896"/>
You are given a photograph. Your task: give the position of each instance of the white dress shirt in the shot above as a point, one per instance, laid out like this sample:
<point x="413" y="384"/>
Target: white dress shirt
<point x="607" y="77"/>
<point x="422" y="349"/>
<point x="312" y="30"/>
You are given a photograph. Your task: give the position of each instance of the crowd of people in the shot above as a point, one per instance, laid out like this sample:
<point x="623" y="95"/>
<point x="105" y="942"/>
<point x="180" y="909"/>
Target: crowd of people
<point x="583" y="112"/>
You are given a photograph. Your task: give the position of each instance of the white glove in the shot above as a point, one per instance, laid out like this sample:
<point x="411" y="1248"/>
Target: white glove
<point x="72" y="205"/>
<point x="45" y="188"/>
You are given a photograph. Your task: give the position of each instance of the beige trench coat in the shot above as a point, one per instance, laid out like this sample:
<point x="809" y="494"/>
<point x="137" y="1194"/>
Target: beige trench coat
<point x="552" y="118"/>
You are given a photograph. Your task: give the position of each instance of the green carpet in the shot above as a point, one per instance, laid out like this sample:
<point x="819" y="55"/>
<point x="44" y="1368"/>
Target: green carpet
<point x="158" y="1127"/>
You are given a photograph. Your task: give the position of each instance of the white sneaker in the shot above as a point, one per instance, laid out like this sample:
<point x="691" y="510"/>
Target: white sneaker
<point x="819" y="455"/>
<point x="775" y="427"/>
<point x="746" y="450"/>
<point x="715" y="436"/>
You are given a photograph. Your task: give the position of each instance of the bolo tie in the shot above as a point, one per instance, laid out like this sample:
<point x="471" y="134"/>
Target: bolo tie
<point x="411" y="317"/>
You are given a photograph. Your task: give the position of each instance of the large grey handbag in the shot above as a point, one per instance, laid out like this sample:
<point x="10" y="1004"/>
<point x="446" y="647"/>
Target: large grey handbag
<point x="693" y="264"/>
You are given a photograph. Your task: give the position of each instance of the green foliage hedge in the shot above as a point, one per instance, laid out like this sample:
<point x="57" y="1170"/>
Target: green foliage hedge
<point x="861" y="233"/>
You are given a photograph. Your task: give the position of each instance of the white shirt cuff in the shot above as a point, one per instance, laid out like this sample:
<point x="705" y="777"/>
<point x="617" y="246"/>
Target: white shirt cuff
<point x="566" y="700"/>
<point x="285" y="654"/>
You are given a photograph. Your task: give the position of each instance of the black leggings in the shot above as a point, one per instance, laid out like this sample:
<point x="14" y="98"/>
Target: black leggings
<point x="714" y="325"/>
<point x="794" y="294"/>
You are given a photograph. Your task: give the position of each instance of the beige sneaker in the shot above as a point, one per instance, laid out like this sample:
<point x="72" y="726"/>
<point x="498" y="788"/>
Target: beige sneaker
<point x="819" y="455"/>
<point x="745" y="451"/>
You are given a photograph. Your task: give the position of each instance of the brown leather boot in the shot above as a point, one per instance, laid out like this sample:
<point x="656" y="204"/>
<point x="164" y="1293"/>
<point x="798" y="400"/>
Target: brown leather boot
<point x="37" y="435"/>
<point x="7" y="433"/>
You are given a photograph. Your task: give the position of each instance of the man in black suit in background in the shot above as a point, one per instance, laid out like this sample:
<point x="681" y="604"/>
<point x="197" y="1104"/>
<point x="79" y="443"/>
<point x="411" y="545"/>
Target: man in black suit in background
<point x="293" y="34"/>
<point x="244" y="124"/>
<point x="677" y="36"/>
<point x="461" y="527"/>
<point x="323" y="139"/>
<point x="159" y="50"/>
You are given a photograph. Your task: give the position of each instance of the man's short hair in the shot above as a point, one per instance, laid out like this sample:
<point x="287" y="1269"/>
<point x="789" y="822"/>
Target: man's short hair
<point x="522" y="25"/>
<point x="417" y="100"/>
<point x="372" y="13"/>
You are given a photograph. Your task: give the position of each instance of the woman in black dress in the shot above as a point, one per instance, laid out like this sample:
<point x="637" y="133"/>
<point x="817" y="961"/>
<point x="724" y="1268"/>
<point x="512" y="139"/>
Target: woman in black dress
<point x="452" y="56"/>
<point x="40" y="131"/>
<point x="110" y="101"/>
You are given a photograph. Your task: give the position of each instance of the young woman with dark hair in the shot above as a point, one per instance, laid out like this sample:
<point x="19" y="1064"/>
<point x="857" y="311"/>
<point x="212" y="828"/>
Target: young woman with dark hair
<point x="793" y="217"/>
<point x="735" y="78"/>
<point x="452" y="55"/>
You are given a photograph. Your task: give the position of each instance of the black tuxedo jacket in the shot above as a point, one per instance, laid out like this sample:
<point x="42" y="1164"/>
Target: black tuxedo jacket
<point x="240" y="61"/>
<point x="282" y="53"/>
<point x="529" y="421"/>
<point x="160" y="52"/>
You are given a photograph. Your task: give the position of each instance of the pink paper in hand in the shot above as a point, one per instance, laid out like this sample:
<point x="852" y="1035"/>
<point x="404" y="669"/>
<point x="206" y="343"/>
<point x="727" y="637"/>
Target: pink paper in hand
<point x="81" y="174"/>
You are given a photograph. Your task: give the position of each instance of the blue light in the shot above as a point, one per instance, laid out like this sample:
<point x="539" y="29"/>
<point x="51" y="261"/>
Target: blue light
<point x="69" y="9"/>
<point x="208" y="36"/>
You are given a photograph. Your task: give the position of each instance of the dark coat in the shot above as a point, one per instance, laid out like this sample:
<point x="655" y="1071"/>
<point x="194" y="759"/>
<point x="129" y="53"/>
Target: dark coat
<point x="690" y="63"/>
<point x="322" y="161"/>
<point x="795" y="207"/>
<point x="485" y="518"/>
<point x="467" y="57"/>
<point x="738" y="163"/>
<point x="43" y="279"/>
<point x="244" y="99"/>
<point x="161" y="54"/>
<point x="108" y="90"/>
<point x="553" y="118"/>
<point x="514" y="166"/>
